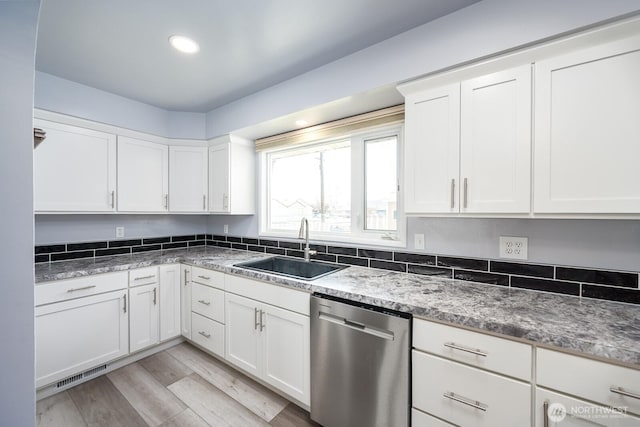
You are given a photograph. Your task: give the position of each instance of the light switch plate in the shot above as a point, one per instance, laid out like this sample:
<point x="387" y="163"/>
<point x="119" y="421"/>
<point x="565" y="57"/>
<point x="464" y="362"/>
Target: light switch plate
<point x="514" y="247"/>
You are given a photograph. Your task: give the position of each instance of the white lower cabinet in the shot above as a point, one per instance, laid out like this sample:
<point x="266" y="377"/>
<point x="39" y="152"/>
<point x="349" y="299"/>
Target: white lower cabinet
<point x="208" y="333"/>
<point x="269" y="342"/>
<point x="185" y="301"/>
<point x="79" y="334"/>
<point x="143" y="317"/>
<point x="420" y="419"/>
<point x="169" y="301"/>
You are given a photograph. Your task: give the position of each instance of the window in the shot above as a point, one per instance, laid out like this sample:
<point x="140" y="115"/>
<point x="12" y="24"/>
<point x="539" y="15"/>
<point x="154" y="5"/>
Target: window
<point x="346" y="186"/>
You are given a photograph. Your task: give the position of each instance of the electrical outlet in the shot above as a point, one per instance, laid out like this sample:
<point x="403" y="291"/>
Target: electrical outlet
<point x="119" y="231"/>
<point x="226" y="229"/>
<point x="418" y="241"/>
<point x="514" y="247"/>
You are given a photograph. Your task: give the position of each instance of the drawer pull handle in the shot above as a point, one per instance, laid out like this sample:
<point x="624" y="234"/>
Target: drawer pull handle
<point x="204" y="277"/>
<point x="545" y="415"/>
<point x="81" y="289"/>
<point x="620" y="390"/>
<point x="204" y="334"/>
<point x="145" y="277"/>
<point x="201" y="301"/>
<point x="476" y="351"/>
<point x="464" y="400"/>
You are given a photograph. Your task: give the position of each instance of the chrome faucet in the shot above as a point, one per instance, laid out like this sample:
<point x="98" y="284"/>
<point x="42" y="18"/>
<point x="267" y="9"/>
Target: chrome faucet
<point x="304" y="234"/>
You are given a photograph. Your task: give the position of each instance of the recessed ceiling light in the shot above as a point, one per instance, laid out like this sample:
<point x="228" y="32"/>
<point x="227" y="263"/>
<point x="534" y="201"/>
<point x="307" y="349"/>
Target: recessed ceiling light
<point x="301" y="123"/>
<point x="184" y="44"/>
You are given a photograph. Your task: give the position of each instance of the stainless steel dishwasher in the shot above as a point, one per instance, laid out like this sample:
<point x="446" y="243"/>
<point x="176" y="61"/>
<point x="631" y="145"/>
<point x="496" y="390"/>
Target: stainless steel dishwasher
<point x="360" y="364"/>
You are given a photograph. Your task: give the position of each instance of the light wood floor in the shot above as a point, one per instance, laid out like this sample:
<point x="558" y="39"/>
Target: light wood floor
<point x="181" y="386"/>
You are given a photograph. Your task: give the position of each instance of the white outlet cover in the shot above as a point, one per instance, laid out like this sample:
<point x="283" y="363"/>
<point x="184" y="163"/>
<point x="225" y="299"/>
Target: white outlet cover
<point x="512" y="247"/>
<point x="418" y="241"/>
<point x="119" y="231"/>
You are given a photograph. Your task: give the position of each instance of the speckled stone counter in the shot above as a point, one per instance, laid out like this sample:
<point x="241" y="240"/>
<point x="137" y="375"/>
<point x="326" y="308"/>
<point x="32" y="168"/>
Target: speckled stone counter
<point x="599" y="328"/>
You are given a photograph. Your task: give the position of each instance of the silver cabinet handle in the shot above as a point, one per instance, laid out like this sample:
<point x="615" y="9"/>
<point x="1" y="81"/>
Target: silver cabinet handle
<point x="145" y="277"/>
<point x="255" y="319"/>
<point x="453" y="192"/>
<point x="186" y="270"/>
<point x="204" y="334"/>
<point x="262" y="326"/>
<point x="204" y="277"/>
<point x="475" y="351"/>
<point x="545" y="415"/>
<point x="81" y="289"/>
<point x="464" y="400"/>
<point x="204" y="202"/>
<point x="465" y="192"/>
<point x="623" y="392"/>
<point x="201" y="301"/>
<point x="166" y="201"/>
<point x="225" y="201"/>
<point x="125" y="303"/>
<point x="155" y="297"/>
<point x="113" y="199"/>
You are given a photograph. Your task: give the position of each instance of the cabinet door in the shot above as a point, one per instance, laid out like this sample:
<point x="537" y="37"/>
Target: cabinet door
<point x="142" y="176"/>
<point x="74" y="170"/>
<point x="285" y="351"/>
<point x="219" y="178"/>
<point x="587" y="131"/>
<point x="169" y="301"/>
<point x="242" y="333"/>
<point x="565" y="411"/>
<point x="495" y="142"/>
<point x="80" y="334"/>
<point x="185" y="301"/>
<point x="432" y="151"/>
<point x="188" y="179"/>
<point x="143" y="317"/>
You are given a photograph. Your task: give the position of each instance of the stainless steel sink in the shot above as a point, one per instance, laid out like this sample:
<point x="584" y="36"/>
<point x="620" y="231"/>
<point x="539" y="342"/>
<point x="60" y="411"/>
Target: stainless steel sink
<point x="291" y="267"/>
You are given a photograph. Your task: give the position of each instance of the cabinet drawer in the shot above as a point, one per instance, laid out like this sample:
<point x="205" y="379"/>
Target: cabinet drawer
<point x="208" y="333"/>
<point x="504" y="402"/>
<point x="208" y="302"/>
<point x="484" y="351"/>
<point x="589" y="379"/>
<point x="578" y="412"/>
<point x="207" y="277"/>
<point x="279" y="296"/>
<point x="61" y="290"/>
<point x="420" y="419"/>
<point x="143" y="276"/>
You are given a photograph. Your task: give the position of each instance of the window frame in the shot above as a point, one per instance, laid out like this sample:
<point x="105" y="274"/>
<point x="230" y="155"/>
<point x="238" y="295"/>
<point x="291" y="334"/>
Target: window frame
<point x="358" y="235"/>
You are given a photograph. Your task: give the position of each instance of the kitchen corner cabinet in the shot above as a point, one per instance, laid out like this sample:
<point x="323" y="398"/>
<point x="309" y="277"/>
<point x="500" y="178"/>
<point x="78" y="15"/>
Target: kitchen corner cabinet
<point x="143" y="176"/>
<point x="231" y="176"/>
<point x="269" y="342"/>
<point x="80" y="324"/>
<point x="587" y="130"/>
<point x="74" y="170"/>
<point x="468" y="146"/>
<point x="143" y="308"/>
<point x="185" y="301"/>
<point x="169" y="301"/>
<point x="187" y="179"/>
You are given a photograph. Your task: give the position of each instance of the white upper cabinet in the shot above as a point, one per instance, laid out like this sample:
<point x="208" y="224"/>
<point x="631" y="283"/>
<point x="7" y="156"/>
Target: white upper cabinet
<point x="432" y="150"/>
<point x="468" y="146"/>
<point x="143" y="178"/>
<point x="232" y="176"/>
<point x="187" y="179"/>
<point x="74" y="170"/>
<point x="495" y="142"/>
<point x="588" y="131"/>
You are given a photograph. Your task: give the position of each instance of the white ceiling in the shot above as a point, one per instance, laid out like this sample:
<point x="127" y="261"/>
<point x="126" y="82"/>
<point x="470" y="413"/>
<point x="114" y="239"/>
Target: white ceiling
<point x="120" y="46"/>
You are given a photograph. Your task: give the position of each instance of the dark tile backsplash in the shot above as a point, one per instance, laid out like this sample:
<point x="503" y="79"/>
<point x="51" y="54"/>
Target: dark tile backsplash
<point x="589" y="283"/>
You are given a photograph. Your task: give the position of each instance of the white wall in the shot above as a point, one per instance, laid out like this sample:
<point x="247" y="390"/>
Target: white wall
<point x="480" y="30"/>
<point x="18" y="20"/>
<point x="87" y="228"/>
<point x="66" y="97"/>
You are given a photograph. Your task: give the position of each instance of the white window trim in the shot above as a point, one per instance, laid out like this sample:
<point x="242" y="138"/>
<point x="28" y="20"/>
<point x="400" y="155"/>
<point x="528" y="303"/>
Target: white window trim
<point x="362" y="237"/>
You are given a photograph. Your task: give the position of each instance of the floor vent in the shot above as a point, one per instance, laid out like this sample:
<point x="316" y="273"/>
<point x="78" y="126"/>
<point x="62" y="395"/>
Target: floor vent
<point x="81" y="376"/>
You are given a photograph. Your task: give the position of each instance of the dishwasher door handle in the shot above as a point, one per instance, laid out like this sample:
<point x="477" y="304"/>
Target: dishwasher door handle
<point x="371" y="330"/>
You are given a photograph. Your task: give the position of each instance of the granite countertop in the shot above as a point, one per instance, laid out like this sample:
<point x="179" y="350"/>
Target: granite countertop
<point x="598" y="328"/>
